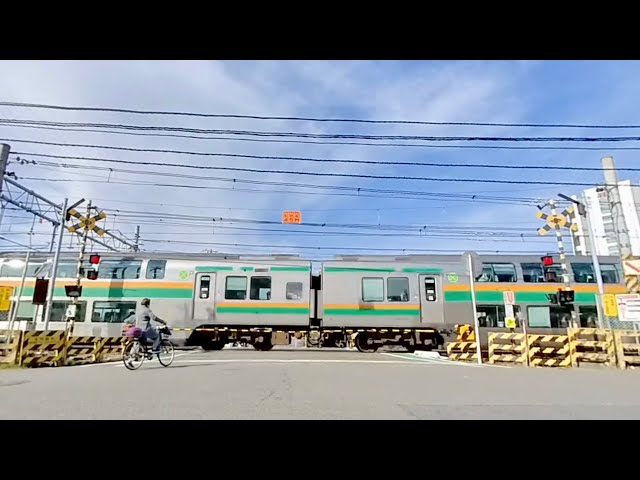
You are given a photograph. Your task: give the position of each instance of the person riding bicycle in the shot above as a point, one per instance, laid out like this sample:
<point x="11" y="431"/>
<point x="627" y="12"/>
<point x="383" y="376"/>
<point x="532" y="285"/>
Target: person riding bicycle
<point x="149" y="330"/>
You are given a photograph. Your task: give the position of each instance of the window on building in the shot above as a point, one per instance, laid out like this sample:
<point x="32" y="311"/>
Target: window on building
<point x="235" y="288"/>
<point x="498" y="272"/>
<point x="120" y="269"/>
<point x="493" y="316"/>
<point x="552" y="316"/>
<point x="294" y="291"/>
<point x="260" y="288"/>
<point x="156" y="269"/>
<point x="372" y="290"/>
<point x="113" y="312"/>
<point x="398" y="289"/>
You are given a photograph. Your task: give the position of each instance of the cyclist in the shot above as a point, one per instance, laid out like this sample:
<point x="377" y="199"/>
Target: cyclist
<point x="149" y="330"/>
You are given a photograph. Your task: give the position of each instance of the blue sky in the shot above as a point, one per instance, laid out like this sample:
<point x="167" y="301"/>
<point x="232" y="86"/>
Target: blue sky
<point x="587" y="92"/>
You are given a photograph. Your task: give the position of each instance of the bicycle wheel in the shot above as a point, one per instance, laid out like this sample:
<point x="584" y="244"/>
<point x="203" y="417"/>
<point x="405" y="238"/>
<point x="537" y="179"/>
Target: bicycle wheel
<point x="132" y="354"/>
<point x="167" y="354"/>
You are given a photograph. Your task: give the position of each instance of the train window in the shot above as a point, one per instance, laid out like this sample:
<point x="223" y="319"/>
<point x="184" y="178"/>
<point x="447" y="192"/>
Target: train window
<point x="205" y="286"/>
<point x="294" y="291"/>
<point x="492" y="316"/>
<point x="120" y="269"/>
<point x="236" y="288"/>
<point x="398" y="289"/>
<point x="59" y="310"/>
<point x="583" y="273"/>
<point x="609" y="273"/>
<point x="552" y="316"/>
<point x="156" y="269"/>
<point x="536" y="273"/>
<point x="498" y="272"/>
<point x="13" y="268"/>
<point x="372" y="290"/>
<point x="588" y="316"/>
<point x="430" y="289"/>
<point x="260" y="288"/>
<point x="113" y="312"/>
<point x="67" y="269"/>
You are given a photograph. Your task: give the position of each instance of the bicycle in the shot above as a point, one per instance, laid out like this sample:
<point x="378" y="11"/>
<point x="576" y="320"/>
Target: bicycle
<point x="136" y="350"/>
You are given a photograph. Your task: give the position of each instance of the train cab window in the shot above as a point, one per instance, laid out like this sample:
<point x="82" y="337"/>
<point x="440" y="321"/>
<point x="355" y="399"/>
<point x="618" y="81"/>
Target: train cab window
<point x="397" y="289"/>
<point x="372" y="290"/>
<point x="294" y="291"/>
<point x="498" y="272"/>
<point x="205" y="286"/>
<point x="552" y="316"/>
<point x="260" y="288"/>
<point x="430" y="289"/>
<point x="235" y="288"/>
<point x="156" y="269"/>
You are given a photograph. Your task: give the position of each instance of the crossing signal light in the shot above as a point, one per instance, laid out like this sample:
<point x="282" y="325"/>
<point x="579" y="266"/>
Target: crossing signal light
<point x="92" y="273"/>
<point x="40" y="291"/>
<point x="94" y="259"/>
<point x="566" y="297"/>
<point x="547" y="260"/>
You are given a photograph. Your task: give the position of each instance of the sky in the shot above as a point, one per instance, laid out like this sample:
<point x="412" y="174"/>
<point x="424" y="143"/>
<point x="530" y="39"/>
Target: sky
<point x="435" y="217"/>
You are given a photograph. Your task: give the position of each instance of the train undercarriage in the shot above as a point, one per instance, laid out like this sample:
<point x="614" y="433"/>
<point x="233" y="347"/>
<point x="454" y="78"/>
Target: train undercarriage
<point x="364" y="340"/>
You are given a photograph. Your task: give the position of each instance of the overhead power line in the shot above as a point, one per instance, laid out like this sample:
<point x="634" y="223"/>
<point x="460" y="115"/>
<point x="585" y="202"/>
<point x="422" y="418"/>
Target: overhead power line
<point x="309" y="119"/>
<point x="329" y="142"/>
<point x="360" y="136"/>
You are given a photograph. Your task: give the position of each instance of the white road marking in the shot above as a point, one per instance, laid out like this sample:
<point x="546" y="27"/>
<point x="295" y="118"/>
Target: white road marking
<point x="300" y="360"/>
<point x="443" y="361"/>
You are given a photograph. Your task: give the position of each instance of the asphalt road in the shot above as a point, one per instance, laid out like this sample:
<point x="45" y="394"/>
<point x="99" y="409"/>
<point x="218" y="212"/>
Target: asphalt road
<point x="308" y="384"/>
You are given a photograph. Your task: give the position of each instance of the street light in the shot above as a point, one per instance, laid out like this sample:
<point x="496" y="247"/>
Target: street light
<point x="582" y="210"/>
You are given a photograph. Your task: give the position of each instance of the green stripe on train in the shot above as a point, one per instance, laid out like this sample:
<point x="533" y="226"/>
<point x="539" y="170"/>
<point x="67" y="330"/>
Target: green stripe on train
<point x="119" y="292"/>
<point x="521" y="297"/>
<point x="422" y="270"/>
<point x="290" y="269"/>
<point x="225" y="268"/>
<point x="376" y="313"/>
<point x="265" y="310"/>
<point x="383" y="269"/>
<point x="213" y="268"/>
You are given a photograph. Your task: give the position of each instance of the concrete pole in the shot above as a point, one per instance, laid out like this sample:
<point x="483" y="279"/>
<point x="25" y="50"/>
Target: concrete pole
<point x="56" y="262"/>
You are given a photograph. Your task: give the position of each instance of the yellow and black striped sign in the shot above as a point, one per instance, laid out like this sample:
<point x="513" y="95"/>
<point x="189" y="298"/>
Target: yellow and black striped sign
<point x="462" y="351"/>
<point x="628" y="348"/>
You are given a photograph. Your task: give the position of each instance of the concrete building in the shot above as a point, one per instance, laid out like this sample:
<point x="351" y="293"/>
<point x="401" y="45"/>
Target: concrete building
<point x="599" y="213"/>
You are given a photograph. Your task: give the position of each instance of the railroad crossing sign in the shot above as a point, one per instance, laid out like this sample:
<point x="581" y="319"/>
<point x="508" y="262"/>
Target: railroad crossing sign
<point x="560" y="220"/>
<point x="86" y="223"/>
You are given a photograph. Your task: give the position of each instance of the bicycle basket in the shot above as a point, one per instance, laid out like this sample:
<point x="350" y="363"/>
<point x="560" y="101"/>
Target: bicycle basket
<point x="135" y="332"/>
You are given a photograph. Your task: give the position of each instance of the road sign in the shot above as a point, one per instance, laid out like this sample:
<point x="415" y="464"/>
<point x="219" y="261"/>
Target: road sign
<point x="628" y="307"/>
<point x="291" y="216"/>
<point x="509" y="297"/>
<point x="5" y="298"/>
<point x="631" y="267"/>
<point x="610" y="305"/>
<point x="86" y="223"/>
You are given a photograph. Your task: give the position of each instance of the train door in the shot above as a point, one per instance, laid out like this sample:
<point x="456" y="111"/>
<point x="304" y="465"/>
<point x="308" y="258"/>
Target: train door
<point x="431" y="299"/>
<point x="204" y="296"/>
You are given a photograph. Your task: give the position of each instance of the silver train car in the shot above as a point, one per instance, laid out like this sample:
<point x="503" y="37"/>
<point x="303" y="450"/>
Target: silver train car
<point x="211" y="300"/>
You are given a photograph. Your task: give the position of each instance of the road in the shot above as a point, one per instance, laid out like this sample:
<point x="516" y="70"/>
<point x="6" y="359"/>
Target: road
<point x="311" y="384"/>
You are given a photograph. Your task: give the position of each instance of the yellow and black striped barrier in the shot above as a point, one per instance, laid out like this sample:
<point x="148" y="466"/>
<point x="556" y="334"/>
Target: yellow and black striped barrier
<point x="462" y="351"/>
<point x="508" y="348"/>
<point x="594" y="345"/>
<point x="42" y="347"/>
<point x="549" y="351"/>
<point x="628" y="348"/>
<point x="9" y="345"/>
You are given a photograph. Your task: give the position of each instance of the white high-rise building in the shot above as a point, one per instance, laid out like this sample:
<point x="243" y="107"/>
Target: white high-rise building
<point x="599" y="214"/>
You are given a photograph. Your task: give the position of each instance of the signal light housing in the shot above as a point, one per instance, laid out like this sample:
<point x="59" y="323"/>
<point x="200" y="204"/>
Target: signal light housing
<point x="547" y="260"/>
<point x="94" y="259"/>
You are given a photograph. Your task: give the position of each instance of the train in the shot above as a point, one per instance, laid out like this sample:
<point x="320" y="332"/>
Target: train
<point x="371" y="301"/>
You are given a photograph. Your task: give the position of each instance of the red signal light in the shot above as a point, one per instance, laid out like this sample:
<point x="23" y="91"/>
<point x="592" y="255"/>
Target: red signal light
<point x="547" y="260"/>
<point x="94" y="259"/>
<point x="92" y="275"/>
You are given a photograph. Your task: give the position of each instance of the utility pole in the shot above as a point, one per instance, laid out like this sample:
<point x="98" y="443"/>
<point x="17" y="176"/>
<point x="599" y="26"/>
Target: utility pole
<point x="4" y="159"/>
<point x="583" y="211"/>
<point x="556" y="221"/>
<point x="56" y="262"/>
<point x="136" y="239"/>
<point x="619" y="223"/>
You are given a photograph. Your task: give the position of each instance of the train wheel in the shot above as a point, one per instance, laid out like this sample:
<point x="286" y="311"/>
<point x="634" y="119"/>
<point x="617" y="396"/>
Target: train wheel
<point x="209" y="345"/>
<point x="363" y="346"/>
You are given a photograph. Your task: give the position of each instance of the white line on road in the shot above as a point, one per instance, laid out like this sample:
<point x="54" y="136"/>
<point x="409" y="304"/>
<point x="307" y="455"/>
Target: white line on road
<point x="300" y="360"/>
